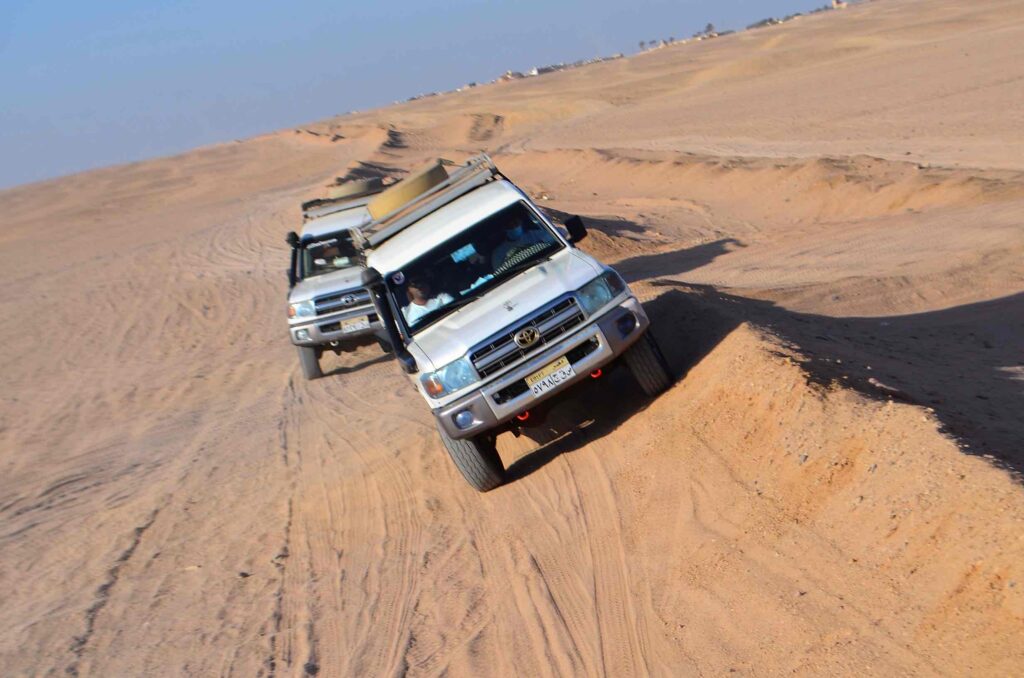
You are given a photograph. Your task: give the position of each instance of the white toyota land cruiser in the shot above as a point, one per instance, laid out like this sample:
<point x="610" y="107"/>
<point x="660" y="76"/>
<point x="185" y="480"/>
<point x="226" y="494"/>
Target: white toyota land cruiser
<point x="328" y="309"/>
<point x="492" y="310"/>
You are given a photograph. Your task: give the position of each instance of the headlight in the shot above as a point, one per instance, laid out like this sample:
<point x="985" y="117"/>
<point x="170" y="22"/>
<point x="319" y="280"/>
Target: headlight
<point x="599" y="291"/>
<point x="303" y="309"/>
<point x="449" y="378"/>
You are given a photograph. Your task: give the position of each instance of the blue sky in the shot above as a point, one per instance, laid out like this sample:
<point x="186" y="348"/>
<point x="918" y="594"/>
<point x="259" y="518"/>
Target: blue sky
<point x="89" y="84"/>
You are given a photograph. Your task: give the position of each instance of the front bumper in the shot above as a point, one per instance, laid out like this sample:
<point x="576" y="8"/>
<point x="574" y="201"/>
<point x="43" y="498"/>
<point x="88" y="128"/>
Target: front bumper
<point x="326" y="329"/>
<point x="594" y="345"/>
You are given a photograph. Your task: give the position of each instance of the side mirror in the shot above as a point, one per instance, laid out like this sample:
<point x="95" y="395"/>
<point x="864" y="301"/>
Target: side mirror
<point x="293" y="241"/>
<point x="577" y="231"/>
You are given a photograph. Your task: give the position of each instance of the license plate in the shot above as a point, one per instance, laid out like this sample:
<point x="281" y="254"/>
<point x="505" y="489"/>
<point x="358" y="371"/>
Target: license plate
<point x="355" y="324"/>
<point x="550" y="376"/>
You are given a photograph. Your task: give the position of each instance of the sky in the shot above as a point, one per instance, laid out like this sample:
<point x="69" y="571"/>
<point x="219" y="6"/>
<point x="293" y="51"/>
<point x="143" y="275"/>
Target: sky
<point x="86" y="84"/>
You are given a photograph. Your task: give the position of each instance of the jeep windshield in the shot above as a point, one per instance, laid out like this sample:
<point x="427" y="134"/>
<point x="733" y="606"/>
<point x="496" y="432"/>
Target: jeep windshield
<point x="464" y="267"/>
<point x="327" y="253"/>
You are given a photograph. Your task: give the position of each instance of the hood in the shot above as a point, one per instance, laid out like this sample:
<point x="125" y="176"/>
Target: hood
<point x="453" y="336"/>
<point x="342" y="280"/>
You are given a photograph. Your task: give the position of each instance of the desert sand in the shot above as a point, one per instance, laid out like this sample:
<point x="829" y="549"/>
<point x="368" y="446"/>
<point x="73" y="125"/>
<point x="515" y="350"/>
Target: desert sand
<point x="825" y="220"/>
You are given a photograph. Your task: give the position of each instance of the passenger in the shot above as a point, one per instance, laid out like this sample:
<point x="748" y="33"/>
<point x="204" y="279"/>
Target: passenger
<point x="421" y="301"/>
<point x="516" y="239"/>
<point x="336" y="257"/>
<point x="330" y="257"/>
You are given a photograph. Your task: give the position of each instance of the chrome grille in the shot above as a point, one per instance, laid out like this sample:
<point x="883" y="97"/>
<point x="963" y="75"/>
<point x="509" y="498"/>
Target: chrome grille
<point x="550" y="324"/>
<point x="341" y="301"/>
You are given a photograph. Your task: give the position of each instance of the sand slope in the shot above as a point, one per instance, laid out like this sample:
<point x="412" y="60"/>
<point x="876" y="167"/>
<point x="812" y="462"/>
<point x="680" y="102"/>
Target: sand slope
<point x="824" y="220"/>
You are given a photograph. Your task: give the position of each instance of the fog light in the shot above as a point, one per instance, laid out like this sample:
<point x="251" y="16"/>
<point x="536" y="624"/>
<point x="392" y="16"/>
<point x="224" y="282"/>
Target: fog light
<point x="302" y="335"/>
<point x="626" y="324"/>
<point x="464" y="419"/>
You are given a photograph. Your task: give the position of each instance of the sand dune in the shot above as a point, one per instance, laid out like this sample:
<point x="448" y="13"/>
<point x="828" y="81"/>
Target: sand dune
<point x="824" y="220"/>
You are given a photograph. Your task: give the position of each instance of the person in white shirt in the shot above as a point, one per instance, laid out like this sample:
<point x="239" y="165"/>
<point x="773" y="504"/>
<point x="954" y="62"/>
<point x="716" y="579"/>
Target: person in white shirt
<point x="421" y="302"/>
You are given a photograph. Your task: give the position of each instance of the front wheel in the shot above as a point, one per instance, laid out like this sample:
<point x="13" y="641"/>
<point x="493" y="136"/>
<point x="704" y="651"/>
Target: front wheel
<point x="310" y="362"/>
<point x="477" y="459"/>
<point x="648" y="366"/>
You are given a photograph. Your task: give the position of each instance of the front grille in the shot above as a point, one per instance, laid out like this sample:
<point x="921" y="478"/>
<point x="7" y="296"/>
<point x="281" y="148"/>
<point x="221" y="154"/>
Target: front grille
<point x="503" y="351"/>
<point x="341" y="301"/>
<point x="518" y="388"/>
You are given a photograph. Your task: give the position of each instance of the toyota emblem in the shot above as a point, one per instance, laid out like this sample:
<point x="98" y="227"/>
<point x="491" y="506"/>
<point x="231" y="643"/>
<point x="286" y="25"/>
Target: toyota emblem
<point x="348" y="299"/>
<point x="526" y="337"/>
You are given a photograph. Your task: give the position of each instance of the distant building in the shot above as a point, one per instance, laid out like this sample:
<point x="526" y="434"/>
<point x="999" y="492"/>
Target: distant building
<point x="541" y="70"/>
<point x="770" y="21"/>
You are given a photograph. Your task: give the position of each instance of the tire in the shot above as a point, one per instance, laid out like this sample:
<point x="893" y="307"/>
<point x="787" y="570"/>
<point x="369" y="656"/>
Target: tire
<point x="310" y="361"/>
<point x="477" y="459"/>
<point x="648" y="366"/>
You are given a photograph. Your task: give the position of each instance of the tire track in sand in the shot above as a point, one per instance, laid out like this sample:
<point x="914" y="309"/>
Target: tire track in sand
<point x="340" y="477"/>
<point x="79" y="643"/>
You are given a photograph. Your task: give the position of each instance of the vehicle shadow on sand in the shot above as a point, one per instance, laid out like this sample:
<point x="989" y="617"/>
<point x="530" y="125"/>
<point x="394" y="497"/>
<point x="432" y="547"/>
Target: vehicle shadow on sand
<point x="351" y="365"/>
<point x="685" y="333"/>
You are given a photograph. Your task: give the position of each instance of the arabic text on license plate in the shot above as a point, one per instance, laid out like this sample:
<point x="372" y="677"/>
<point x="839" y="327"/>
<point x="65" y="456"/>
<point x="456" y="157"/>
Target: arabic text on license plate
<point x="550" y="376"/>
<point x="355" y="324"/>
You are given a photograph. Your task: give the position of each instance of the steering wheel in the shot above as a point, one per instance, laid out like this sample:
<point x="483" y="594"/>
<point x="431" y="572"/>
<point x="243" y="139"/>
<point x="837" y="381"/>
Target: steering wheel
<point x="518" y="254"/>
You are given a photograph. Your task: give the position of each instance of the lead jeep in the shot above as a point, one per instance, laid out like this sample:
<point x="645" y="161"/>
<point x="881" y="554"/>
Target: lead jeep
<point x="328" y="308"/>
<point x="492" y="310"/>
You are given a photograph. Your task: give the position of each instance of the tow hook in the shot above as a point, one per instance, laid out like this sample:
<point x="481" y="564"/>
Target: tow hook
<point x="596" y="374"/>
<point x="523" y="416"/>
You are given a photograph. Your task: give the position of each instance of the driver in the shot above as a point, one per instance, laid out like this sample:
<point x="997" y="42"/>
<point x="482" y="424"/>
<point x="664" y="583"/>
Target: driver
<point x="422" y="300"/>
<point x="516" y="238"/>
<point x="334" y="256"/>
<point x="331" y="256"/>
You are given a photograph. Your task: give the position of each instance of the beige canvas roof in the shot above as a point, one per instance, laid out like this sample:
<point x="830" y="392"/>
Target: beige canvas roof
<point x="405" y="190"/>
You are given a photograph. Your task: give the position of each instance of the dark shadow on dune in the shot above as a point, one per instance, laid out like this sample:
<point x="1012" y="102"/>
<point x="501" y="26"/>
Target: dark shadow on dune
<point x="370" y="170"/>
<point x="648" y="266"/>
<point x="966" y="363"/>
<point x="605" y="225"/>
